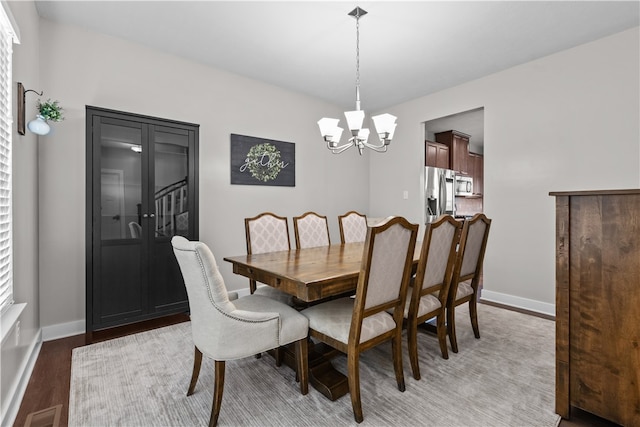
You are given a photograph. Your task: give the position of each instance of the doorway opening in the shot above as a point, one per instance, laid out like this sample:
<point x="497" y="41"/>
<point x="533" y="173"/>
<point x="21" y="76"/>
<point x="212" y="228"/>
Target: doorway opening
<point x="470" y="126"/>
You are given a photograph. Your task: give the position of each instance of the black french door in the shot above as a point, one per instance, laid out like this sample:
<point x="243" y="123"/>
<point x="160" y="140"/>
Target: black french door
<point x="142" y="186"/>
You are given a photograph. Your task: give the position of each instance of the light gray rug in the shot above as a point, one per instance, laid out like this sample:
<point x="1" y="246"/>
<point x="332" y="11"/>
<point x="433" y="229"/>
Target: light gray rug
<point x="506" y="378"/>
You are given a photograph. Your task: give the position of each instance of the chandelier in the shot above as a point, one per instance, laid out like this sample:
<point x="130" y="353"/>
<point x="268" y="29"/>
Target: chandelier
<point x="385" y="124"/>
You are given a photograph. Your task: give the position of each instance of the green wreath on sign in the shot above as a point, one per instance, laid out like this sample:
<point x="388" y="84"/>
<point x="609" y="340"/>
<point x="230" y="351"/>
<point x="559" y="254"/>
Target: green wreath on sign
<point x="264" y="162"/>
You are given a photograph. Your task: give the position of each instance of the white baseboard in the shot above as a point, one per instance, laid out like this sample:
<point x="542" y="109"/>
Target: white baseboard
<point x="497" y="297"/>
<point x="519" y="302"/>
<point x="63" y="330"/>
<point x="26" y="369"/>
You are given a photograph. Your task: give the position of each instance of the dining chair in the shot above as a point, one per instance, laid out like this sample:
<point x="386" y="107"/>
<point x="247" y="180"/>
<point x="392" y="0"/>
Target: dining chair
<point x="353" y="325"/>
<point x="267" y="232"/>
<point x="467" y="274"/>
<point x="311" y="230"/>
<point x="427" y="298"/>
<point x="135" y="229"/>
<point x="228" y="330"/>
<point x="181" y="222"/>
<point x="353" y="227"/>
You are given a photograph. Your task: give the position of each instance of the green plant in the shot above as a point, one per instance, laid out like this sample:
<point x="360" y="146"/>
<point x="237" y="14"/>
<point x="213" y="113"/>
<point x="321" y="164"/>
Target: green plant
<point x="50" y="110"/>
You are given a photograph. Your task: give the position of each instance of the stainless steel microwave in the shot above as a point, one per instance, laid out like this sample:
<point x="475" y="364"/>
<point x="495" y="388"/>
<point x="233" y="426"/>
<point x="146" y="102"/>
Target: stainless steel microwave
<point x="464" y="185"/>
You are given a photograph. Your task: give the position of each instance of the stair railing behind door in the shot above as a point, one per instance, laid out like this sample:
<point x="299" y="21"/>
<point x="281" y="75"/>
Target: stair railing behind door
<point x="170" y="201"/>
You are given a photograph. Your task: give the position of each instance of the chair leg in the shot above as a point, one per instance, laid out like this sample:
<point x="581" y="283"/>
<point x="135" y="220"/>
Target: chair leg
<point x="451" y="328"/>
<point x="278" y="354"/>
<point x="302" y="356"/>
<point x="353" y="364"/>
<point x="218" y="388"/>
<point x="396" y="349"/>
<point x="252" y="289"/>
<point x="473" y="313"/>
<point x="441" y="329"/>
<point x="197" y="362"/>
<point x="412" y="342"/>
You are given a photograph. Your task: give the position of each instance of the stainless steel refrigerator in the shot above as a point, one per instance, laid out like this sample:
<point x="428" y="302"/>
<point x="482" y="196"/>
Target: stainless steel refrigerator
<point x="439" y="197"/>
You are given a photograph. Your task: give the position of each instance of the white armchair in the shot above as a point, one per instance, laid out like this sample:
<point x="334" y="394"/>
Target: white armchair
<point x="225" y="330"/>
<point x="135" y="229"/>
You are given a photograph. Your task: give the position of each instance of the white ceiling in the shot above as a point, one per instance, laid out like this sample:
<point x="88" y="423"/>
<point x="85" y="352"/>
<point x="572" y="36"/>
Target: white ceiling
<point x="407" y="49"/>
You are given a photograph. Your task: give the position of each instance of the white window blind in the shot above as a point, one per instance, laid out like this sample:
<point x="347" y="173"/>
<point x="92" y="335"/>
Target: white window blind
<point x="6" y="120"/>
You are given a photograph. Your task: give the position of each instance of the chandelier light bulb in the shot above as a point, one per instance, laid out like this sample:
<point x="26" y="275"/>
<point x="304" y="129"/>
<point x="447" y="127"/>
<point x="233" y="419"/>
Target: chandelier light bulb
<point x="354" y="120"/>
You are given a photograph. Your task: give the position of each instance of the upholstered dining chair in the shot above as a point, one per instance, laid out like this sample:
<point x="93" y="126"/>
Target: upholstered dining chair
<point x="267" y="232"/>
<point x="227" y="330"/>
<point x="353" y="325"/>
<point x="467" y="274"/>
<point x="311" y="230"/>
<point x="427" y="298"/>
<point x="353" y="227"/>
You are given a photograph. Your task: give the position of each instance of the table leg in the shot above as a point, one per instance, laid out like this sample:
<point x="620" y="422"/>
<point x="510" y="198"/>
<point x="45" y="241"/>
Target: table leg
<point x="322" y="375"/>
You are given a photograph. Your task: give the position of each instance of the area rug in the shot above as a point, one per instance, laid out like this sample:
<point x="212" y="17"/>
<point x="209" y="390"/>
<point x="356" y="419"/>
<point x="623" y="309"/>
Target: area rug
<point x="506" y="378"/>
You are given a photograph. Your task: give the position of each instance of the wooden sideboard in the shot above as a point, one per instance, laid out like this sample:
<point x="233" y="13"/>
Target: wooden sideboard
<point x="598" y="304"/>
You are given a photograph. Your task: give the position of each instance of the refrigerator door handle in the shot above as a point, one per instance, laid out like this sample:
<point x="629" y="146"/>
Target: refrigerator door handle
<point x="443" y="195"/>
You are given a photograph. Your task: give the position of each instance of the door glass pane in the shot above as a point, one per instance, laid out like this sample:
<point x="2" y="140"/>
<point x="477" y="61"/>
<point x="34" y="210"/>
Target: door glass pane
<point x="120" y="182"/>
<point x="171" y="184"/>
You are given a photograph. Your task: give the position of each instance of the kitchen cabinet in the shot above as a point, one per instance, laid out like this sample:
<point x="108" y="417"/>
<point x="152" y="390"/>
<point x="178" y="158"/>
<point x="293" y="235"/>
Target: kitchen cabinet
<point x="458" y="144"/>
<point x="597" y="300"/>
<point x="476" y="169"/>
<point x="436" y="155"/>
<point x="471" y="169"/>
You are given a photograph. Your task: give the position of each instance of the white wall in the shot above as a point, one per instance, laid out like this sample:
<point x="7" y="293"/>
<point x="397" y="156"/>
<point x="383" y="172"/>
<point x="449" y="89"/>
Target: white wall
<point x="548" y="124"/>
<point x="19" y="349"/>
<point x="569" y="121"/>
<point x="82" y="68"/>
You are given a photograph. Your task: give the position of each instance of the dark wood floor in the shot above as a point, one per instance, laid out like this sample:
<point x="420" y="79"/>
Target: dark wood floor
<point x="49" y="383"/>
<point x="51" y="377"/>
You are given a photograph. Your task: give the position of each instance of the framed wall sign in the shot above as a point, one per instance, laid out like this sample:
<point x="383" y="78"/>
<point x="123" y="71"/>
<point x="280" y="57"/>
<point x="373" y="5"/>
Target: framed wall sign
<point x="258" y="161"/>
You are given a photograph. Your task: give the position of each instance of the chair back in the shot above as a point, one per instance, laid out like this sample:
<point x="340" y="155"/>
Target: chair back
<point x="473" y="243"/>
<point x="353" y="227"/>
<point x="135" y="229"/>
<point x="207" y="293"/>
<point x="267" y="232"/>
<point x="311" y="230"/>
<point x="385" y="271"/>
<point x="181" y="221"/>
<point x="437" y="260"/>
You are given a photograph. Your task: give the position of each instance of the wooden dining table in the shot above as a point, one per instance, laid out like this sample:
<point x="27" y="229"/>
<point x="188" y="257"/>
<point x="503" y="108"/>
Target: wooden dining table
<point x="311" y="275"/>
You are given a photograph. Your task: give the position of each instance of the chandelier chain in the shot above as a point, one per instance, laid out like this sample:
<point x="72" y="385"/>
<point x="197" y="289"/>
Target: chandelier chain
<point x="358" y="52"/>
